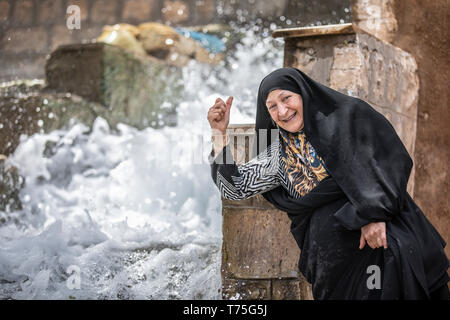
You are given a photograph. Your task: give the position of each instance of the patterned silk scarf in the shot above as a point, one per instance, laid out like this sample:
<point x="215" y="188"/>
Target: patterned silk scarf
<point x="304" y="167"/>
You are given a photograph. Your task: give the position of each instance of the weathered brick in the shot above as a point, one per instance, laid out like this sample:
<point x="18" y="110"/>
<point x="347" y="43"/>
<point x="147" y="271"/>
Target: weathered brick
<point x="246" y="289"/>
<point x="51" y="12"/>
<point x="138" y="10"/>
<point x="18" y="40"/>
<point x="4" y="11"/>
<point x="104" y="11"/>
<point x="23" y="13"/>
<point x="175" y="11"/>
<point x="257" y="244"/>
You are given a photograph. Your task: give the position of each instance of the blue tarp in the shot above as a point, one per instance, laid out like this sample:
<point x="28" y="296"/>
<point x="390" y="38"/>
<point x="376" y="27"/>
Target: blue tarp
<point x="211" y="42"/>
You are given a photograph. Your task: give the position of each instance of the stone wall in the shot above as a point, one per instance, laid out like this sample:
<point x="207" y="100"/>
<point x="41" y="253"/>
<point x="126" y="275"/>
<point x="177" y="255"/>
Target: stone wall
<point x="31" y="29"/>
<point x="423" y="30"/>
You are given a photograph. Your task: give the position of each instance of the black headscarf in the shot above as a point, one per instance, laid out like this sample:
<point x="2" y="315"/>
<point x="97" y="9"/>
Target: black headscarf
<point x="359" y="146"/>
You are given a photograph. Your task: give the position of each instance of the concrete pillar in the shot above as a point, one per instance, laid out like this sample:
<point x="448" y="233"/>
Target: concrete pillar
<point x="259" y="255"/>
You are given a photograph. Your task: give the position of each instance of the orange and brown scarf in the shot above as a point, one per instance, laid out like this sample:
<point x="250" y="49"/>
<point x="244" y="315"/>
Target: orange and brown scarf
<point x="304" y="167"/>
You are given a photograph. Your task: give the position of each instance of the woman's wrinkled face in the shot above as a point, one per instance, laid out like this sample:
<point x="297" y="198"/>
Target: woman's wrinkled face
<point x="286" y="109"/>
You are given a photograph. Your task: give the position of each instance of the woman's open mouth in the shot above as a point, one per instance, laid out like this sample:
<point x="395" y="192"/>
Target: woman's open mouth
<point x="290" y="118"/>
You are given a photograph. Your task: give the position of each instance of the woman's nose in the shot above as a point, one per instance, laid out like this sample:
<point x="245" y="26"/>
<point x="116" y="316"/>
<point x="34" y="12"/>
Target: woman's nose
<point x="282" y="110"/>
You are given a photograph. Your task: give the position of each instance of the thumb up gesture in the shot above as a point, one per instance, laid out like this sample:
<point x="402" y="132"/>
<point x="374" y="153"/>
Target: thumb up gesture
<point x="219" y="114"/>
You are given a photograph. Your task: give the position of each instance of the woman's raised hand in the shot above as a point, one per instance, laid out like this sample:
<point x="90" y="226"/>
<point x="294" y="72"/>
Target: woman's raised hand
<point x="219" y="115"/>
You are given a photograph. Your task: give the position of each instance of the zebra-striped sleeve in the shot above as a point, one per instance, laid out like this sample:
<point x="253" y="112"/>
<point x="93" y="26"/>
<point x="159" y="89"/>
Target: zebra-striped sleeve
<point x="240" y="182"/>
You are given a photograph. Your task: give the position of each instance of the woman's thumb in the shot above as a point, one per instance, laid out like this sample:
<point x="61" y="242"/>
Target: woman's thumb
<point x="229" y="102"/>
<point x="362" y="241"/>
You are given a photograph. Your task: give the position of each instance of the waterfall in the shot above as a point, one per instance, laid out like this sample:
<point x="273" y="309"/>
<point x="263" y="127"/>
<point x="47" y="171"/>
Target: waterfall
<point x="129" y="214"/>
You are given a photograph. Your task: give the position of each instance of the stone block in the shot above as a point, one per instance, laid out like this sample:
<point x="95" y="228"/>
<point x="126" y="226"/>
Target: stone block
<point x="234" y="289"/>
<point x="104" y="12"/>
<point x="347" y="56"/>
<point x="392" y="74"/>
<point x="25" y="40"/>
<point x="138" y="10"/>
<point x="131" y="89"/>
<point x="23" y="13"/>
<point x="315" y="54"/>
<point x="347" y="81"/>
<point x="26" y="109"/>
<point x="257" y="244"/>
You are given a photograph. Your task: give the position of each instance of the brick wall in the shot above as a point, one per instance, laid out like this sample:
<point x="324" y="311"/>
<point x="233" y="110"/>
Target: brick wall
<point x="31" y="29"/>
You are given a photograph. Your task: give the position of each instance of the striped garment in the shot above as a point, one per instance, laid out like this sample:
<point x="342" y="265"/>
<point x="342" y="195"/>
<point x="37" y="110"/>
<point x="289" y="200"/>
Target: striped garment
<point x="294" y="165"/>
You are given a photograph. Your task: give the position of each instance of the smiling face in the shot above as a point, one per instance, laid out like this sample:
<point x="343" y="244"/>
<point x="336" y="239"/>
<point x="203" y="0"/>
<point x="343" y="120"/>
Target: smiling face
<point x="286" y="109"/>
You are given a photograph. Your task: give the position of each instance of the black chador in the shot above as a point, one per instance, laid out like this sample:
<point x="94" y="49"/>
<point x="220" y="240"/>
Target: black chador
<point x="368" y="168"/>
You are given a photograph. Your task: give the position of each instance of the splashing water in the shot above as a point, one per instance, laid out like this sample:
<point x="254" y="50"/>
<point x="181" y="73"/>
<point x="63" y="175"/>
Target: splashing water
<point x="131" y="214"/>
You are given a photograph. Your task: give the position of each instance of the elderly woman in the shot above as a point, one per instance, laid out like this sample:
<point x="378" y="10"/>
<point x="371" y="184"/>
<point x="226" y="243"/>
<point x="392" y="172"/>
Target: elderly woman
<point x="339" y="170"/>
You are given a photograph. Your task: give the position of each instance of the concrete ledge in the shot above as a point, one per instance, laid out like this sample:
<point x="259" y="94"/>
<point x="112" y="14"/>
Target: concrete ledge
<point x="345" y="28"/>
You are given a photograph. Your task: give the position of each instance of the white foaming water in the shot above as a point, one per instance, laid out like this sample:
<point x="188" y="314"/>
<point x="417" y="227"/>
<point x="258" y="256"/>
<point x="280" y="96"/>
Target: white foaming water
<point x="134" y="213"/>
